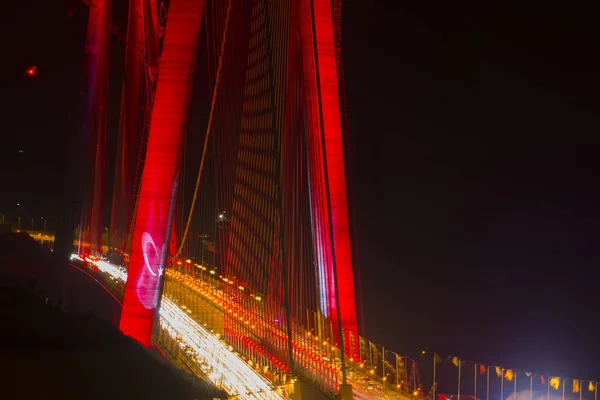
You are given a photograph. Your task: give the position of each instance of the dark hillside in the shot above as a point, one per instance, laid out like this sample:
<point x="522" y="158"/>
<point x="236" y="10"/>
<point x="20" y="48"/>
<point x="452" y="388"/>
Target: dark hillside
<point x="45" y="354"/>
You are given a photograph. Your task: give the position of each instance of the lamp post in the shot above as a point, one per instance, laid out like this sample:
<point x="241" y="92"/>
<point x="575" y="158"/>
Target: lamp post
<point x="398" y="357"/>
<point x="203" y="240"/>
<point x="383" y="378"/>
<point x="433" y="385"/>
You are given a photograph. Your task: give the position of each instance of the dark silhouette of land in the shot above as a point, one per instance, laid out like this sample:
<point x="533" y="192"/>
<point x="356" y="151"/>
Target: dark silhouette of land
<point x="46" y="354"/>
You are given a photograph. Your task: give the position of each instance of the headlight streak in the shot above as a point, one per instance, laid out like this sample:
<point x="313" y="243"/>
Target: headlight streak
<point x="112" y="270"/>
<point x="227" y="370"/>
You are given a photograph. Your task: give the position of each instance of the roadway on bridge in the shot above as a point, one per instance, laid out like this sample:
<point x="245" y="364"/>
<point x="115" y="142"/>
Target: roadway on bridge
<point x="183" y="318"/>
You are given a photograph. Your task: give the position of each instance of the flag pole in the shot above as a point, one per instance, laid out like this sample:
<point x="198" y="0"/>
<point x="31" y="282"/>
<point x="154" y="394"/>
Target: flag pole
<point x="383" y="378"/>
<point x="596" y="391"/>
<point x="548" y="387"/>
<point x="459" y="365"/>
<point x="563" y="389"/>
<point x="398" y="373"/>
<point x="515" y="388"/>
<point x="414" y="373"/>
<point x="475" y="380"/>
<point x="434" y="384"/>
<point x="502" y="384"/>
<point x="487" y="388"/>
<point x="531" y="387"/>
<point x="406" y="372"/>
<point x="580" y="390"/>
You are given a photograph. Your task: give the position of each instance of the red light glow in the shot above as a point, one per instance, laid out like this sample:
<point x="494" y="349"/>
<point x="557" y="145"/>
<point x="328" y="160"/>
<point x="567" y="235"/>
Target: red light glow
<point x="31" y="71"/>
<point x="328" y="178"/>
<point x="151" y="230"/>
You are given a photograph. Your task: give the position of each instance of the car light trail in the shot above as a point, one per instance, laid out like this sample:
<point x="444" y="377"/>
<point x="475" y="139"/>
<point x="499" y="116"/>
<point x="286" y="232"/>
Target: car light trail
<point x="112" y="270"/>
<point x="222" y="366"/>
<point x="226" y="369"/>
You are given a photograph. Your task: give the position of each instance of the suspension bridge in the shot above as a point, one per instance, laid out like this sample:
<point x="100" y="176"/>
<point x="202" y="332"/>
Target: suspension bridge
<point x="230" y="241"/>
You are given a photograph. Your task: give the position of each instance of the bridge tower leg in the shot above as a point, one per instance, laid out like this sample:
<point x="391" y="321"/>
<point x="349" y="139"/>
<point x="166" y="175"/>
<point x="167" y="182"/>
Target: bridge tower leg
<point x="134" y="115"/>
<point x="296" y="392"/>
<point x="152" y="226"/>
<point x="327" y="171"/>
<point x="302" y="390"/>
<point x="96" y="67"/>
<point x="345" y="392"/>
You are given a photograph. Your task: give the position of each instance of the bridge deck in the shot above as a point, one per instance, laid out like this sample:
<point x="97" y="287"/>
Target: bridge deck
<point x="192" y="315"/>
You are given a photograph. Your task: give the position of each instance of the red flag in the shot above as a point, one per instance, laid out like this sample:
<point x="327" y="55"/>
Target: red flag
<point x="543" y="380"/>
<point x="210" y="246"/>
<point x="482" y="369"/>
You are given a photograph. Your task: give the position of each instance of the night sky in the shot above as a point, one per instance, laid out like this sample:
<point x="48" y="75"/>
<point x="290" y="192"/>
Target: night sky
<point x="474" y="134"/>
<point x="476" y="177"/>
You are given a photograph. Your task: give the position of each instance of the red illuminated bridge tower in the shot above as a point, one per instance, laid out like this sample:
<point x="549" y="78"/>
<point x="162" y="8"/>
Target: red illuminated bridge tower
<point x="232" y="154"/>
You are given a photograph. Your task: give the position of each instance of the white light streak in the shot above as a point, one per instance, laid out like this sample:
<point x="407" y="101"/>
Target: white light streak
<point x="113" y="270"/>
<point x="222" y="366"/>
<point x="227" y="370"/>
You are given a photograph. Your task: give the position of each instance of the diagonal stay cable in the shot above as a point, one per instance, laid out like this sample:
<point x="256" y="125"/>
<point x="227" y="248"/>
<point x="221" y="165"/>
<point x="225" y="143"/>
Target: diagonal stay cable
<point x="208" y="128"/>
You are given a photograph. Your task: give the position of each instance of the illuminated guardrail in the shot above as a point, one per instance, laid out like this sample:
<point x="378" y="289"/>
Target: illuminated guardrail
<point x="218" y="362"/>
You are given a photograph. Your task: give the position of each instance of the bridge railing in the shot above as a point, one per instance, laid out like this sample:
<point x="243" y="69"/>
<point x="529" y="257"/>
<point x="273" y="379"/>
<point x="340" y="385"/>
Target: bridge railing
<point x="316" y="357"/>
<point x="262" y="343"/>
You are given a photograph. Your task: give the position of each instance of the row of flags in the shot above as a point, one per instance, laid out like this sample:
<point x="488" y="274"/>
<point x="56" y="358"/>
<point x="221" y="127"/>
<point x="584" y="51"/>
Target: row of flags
<point x="509" y="374"/>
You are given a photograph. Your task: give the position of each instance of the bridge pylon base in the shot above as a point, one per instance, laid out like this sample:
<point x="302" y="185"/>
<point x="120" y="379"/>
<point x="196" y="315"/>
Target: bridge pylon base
<point x="296" y="392"/>
<point x="345" y="392"/>
<point x="304" y="390"/>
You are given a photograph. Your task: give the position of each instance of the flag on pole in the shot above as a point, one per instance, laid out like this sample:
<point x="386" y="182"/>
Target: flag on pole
<point x="481" y="369"/>
<point x="555" y="382"/>
<point x="499" y="372"/>
<point x="543" y="380"/>
<point x="210" y="246"/>
<point x="364" y="348"/>
<point x="389" y="367"/>
<point x="528" y="373"/>
<point x="455" y="361"/>
<point x="575" y="385"/>
<point x="399" y="361"/>
<point x="509" y="374"/>
<point x="375" y="354"/>
<point x="591" y="386"/>
<point x="436" y="358"/>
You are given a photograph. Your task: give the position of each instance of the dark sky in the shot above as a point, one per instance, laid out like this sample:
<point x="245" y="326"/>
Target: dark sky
<point x="475" y="166"/>
<point x="474" y="134"/>
<point x="35" y="113"/>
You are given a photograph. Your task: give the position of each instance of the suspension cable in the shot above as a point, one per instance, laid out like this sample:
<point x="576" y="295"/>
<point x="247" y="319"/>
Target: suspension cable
<point x="208" y="128"/>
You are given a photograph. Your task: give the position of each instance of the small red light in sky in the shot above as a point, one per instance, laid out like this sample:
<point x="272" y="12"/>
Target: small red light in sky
<point x="71" y="13"/>
<point x="31" y="71"/>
